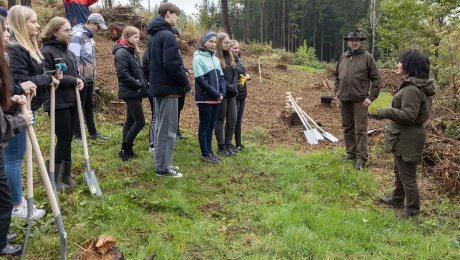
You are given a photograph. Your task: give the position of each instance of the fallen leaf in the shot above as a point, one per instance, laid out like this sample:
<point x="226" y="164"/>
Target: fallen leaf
<point x="105" y="243"/>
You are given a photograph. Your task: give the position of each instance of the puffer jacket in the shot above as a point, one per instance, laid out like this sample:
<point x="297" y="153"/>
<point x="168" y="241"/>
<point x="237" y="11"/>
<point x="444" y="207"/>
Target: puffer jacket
<point x="131" y="80"/>
<point x="167" y="74"/>
<point x="355" y="73"/>
<point x="209" y="79"/>
<point x="83" y="46"/>
<point x="405" y="134"/>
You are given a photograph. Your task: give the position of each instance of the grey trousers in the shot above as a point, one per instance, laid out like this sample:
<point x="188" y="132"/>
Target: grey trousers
<point x="227" y="114"/>
<point x="165" y="132"/>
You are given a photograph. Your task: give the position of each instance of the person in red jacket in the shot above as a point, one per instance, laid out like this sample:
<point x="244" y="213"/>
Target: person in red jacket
<point x="77" y="11"/>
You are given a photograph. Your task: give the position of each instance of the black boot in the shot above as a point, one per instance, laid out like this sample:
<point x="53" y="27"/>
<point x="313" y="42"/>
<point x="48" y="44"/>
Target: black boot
<point x="232" y="149"/>
<point x="129" y="151"/>
<point x="57" y="176"/>
<point x="65" y="174"/>
<point x="124" y="153"/>
<point x="223" y="151"/>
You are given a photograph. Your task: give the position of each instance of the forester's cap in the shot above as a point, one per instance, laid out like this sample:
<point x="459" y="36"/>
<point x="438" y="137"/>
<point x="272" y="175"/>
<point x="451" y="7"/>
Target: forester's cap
<point x="355" y="34"/>
<point x="208" y="36"/>
<point x="97" y="19"/>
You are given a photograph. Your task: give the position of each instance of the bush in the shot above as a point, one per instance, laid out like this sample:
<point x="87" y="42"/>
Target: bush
<point x="284" y="56"/>
<point x="306" y="56"/>
<point x="259" y="48"/>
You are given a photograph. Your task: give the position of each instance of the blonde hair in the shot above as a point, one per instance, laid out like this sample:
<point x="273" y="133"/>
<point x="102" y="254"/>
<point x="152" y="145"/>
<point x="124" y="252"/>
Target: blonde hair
<point x="17" y="19"/>
<point x="220" y="52"/>
<point x="128" y="32"/>
<point x="52" y="26"/>
<point x="233" y="42"/>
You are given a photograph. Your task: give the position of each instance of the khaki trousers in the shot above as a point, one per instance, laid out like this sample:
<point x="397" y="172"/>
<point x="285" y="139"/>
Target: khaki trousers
<point x="354" y="123"/>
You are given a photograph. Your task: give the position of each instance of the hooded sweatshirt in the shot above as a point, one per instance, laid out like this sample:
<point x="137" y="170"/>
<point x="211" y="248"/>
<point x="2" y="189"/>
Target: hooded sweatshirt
<point x="167" y="74"/>
<point x="405" y="134"/>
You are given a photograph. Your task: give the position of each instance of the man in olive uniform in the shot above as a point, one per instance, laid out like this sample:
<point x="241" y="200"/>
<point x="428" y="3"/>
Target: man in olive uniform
<point x="357" y="84"/>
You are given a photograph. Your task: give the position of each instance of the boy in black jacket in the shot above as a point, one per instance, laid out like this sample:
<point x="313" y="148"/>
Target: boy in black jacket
<point x="167" y="82"/>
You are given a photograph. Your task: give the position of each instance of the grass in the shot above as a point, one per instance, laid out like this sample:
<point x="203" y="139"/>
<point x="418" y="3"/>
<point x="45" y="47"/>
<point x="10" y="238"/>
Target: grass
<point x="263" y="204"/>
<point x="307" y="68"/>
<point x="384" y="100"/>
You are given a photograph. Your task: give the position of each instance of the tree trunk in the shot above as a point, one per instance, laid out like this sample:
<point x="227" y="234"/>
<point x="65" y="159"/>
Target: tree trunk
<point x="11" y="3"/>
<point x="322" y="39"/>
<point x="283" y="33"/>
<point x="26" y="3"/>
<point x="246" y="14"/>
<point x="225" y="18"/>
<point x="262" y="25"/>
<point x="314" y="32"/>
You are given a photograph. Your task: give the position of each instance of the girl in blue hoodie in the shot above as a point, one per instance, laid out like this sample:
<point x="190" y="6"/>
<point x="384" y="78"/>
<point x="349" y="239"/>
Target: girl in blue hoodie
<point x="210" y="89"/>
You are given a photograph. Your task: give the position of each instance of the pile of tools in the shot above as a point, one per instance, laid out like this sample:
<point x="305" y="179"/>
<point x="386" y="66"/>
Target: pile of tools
<point x="313" y="132"/>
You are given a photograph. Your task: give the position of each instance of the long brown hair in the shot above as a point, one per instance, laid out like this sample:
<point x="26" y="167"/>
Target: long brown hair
<point x="220" y="53"/>
<point x="52" y="26"/>
<point x="5" y="93"/>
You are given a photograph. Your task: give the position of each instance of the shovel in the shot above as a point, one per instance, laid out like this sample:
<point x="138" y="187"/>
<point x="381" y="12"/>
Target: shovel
<point x="309" y="133"/>
<point x="318" y="136"/>
<point x="326" y="134"/>
<point x="90" y="176"/>
<point x="30" y="189"/>
<point x="49" y="189"/>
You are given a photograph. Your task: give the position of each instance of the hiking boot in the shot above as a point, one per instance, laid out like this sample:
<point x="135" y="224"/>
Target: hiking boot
<point x="99" y="136"/>
<point x="349" y="157"/>
<point x="240" y="147"/>
<point x="11" y="249"/>
<point x="408" y="215"/>
<point x="389" y="202"/>
<point x="360" y="164"/>
<point x="11" y="237"/>
<point x="66" y="176"/>
<point x="215" y="157"/>
<point x="223" y="151"/>
<point x="209" y="159"/>
<point x="169" y="174"/>
<point x="232" y="148"/>
<point x="180" y="136"/>
<point x="21" y="212"/>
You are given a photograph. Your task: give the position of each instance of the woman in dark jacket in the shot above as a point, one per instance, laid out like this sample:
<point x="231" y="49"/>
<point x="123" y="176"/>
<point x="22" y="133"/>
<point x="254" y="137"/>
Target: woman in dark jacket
<point x="9" y="126"/>
<point x="228" y="111"/>
<point x="132" y="87"/>
<point x="242" y="92"/>
<point x="26" y="64"/>
<point x="210" y="88"/>
<point x="405" y="134"/>
<point x="55" y="38"/>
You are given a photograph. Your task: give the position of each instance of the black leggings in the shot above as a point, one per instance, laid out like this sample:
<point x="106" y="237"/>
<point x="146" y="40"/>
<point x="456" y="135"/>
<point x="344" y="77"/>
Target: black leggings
<point x="66" y="122"/>
<point x="240" y="104"/>
<point x="135" y="120"/>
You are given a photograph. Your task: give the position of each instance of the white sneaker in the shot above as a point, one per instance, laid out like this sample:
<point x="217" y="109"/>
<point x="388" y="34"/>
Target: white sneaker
<point x="152" y="149"/>
<point x="21" y="212"/>
<point x="174" y="168"/>
<point x="169" y="174"/>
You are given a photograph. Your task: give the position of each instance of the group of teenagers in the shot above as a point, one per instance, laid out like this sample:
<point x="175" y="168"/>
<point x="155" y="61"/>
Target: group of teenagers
<point x="27" y="74"/>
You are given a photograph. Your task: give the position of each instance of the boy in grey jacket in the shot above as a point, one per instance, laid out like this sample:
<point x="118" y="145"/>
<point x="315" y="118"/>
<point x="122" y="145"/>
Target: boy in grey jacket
<point x="82" y="45"/>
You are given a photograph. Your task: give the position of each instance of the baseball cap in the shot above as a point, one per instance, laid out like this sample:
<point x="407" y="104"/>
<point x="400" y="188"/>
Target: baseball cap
<point x="97" y="19"/>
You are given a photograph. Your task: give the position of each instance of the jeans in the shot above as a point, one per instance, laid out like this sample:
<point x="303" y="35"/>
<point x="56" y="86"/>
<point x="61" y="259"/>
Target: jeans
<point x="86" y="97"/>
<point x="208" y="116"/>
<point x="6" y="205"/>
<point x="66" y="121"/>
<point x="165" y="132"/>
<point x="240" y="104"/>
<point x="13" y="157"/>
<point x="227" y="114"/>
<point x="135" y="120"/>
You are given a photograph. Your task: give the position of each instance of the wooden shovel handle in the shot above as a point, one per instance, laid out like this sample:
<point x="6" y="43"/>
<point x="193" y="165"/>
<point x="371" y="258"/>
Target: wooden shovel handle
<point x="82" y="124"/>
